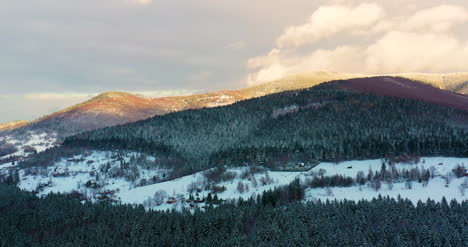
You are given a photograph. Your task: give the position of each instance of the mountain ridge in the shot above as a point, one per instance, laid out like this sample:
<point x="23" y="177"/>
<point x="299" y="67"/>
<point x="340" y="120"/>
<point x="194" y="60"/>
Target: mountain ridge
<point x="13" y="125"/>
<point x="328" y="122"/>
<point x="114" y="108"/>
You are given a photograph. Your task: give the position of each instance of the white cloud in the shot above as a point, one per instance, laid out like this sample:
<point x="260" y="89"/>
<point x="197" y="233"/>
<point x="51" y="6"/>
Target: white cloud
<point x="437" y="19"/>
<point x="329" y="20"/>
<point x="411" y="52"/>
<point x="131" y="45"/>
<point x="364" y="39"/>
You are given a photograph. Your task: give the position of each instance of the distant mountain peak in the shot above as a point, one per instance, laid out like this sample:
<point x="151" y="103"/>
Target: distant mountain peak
<point x="108" y="95"/>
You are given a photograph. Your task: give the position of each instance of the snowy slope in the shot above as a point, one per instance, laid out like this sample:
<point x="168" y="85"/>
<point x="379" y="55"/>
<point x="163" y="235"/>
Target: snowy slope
<point x="38" y="141"/>
<point x="435" y="190"/>
<point x="83" y="168"/>
<point x="179" y="188"/>
<point x="364" y="165"/>
<point x="73" y="173"/>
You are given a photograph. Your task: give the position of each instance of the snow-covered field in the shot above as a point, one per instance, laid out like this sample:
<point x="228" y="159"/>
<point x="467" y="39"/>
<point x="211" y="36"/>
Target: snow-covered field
<point x="100" y="169"/>
<point x="436" y="189"/>
<point x="38" y="141"/>
<point x="179" y="188"/>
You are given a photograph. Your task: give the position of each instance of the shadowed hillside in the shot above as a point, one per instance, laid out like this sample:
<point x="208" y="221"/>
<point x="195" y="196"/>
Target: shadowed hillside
<point x="328" y="122"/>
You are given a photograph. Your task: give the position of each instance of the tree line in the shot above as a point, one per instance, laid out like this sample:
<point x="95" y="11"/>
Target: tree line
<point x="273" y="219"/>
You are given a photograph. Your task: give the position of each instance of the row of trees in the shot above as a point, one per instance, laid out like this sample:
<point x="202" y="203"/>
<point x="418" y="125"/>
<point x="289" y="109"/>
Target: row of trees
<point x="274" y="219"/>
<point x="374" y="179"/>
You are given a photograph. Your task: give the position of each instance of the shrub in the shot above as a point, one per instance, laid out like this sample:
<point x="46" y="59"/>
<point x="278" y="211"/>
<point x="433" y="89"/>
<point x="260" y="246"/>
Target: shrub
<point x="7" y="149"/>
<point x="459" y="171"/>
<point x="218" y="189"/>
<point x="30" y="149"/>
<point x="215" y="175"/>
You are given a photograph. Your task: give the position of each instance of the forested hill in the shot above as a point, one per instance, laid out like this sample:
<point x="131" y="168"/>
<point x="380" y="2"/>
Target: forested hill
<point x="328" y="122"/>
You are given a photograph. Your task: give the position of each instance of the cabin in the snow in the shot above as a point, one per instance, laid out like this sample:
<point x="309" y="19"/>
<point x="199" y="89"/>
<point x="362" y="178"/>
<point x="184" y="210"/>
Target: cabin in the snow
<point x="171" y="200"/>
<point x="301" y="165"/>
<point x="109" y="192"/>
<point x="198" y="200"/>
<point x="59" y="172"/>
<point x="101" y="196"/>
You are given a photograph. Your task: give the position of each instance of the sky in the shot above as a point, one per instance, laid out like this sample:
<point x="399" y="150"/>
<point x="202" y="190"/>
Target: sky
<point x="56" y="53"/>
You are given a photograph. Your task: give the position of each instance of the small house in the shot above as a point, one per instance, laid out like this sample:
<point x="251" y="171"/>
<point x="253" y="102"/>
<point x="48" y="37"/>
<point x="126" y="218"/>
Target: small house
<point x="301" y="165"/>
<point x="109" y="192"/>
<point x="101" y="196"/>
<point x="198" y="200"/>
<point x="171" y="200"/>
<point x="465" y="174"/>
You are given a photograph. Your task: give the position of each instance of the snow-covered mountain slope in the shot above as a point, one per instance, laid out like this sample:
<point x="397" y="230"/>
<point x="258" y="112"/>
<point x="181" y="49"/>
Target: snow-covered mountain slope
<point x="93" y="172"/>
<point x="19" y="148"/>
<point x="136" y="179"/>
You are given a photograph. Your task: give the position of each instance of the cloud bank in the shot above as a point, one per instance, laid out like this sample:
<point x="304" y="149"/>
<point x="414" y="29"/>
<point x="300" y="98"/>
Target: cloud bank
<point x="57" y="52"/>
<point x="369" y="38"/>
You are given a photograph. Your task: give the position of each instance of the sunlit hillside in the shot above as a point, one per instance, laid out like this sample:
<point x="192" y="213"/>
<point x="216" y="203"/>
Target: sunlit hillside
<point x="12" y="125"/>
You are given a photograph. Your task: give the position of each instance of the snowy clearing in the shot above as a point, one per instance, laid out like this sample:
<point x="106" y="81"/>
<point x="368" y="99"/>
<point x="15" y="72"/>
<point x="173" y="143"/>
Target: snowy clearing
<point x="131" y="178"/>
<point x="31" y="143"/>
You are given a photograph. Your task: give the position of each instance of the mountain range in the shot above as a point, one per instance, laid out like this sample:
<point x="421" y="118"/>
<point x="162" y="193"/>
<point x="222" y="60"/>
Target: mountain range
<point x="114" y="108"/>
<point x="340" y="120"/>
<point x="312" y="136"/>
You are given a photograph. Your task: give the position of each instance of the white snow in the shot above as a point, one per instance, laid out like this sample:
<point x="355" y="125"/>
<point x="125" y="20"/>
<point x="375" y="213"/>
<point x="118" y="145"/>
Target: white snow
<point x="435" y="190"/>
<point x="80" y="168"/>
<point x="179" y="187"/>
<point x="39" y="141"/>
<point x="364" y="165"/>
<point x="7" y="165"/>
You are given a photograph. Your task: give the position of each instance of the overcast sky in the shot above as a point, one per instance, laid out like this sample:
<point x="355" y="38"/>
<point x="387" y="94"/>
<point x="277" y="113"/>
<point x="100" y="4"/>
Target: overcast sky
<point x="55" y="53"/>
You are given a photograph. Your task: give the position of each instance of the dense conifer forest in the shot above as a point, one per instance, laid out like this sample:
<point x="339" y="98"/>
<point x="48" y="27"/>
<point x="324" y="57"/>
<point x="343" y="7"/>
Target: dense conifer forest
<point x="323" y="123"/>
<point x="271" y="220"/>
